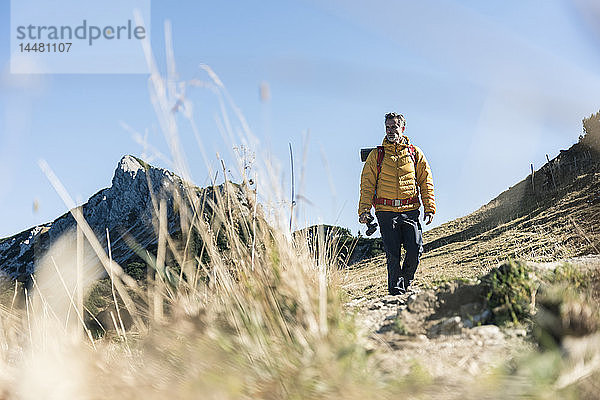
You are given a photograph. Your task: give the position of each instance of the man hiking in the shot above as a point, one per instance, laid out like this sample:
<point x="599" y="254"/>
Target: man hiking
<point x="392" y="178"/>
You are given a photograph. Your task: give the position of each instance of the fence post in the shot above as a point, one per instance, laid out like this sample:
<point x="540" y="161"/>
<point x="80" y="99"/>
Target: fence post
<point x="551" y="166"/>
<point x="532" y="183"/>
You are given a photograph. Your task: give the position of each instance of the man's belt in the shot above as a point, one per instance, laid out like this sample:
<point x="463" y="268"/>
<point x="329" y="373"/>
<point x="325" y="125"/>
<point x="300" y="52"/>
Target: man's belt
<point x="396" y="202"/>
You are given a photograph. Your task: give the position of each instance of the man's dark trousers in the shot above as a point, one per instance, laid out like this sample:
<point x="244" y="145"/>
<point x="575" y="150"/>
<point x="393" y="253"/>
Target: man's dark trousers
<point x="399" y="229"/>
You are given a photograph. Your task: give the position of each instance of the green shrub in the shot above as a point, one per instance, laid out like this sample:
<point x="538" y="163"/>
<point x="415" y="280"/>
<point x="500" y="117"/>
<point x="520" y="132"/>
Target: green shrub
<point x="400" y="327"/>
<point x="136" y="270"/>
<point x="568" y="274"/>
<point x="98" y="297"/>
<point x="508" y="290"/>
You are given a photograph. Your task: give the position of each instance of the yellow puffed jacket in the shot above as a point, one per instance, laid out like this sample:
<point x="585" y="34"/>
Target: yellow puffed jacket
<point x="396" y="179"/>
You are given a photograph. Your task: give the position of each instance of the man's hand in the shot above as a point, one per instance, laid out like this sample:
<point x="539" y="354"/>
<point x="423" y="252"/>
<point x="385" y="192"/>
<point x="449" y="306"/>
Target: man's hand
<point x="365" y="217"/>
<point x="428" y="217"/>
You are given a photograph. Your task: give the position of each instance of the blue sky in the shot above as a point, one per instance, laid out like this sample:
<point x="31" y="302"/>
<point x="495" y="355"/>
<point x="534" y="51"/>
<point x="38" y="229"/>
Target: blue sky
<point x="487" y="88"/>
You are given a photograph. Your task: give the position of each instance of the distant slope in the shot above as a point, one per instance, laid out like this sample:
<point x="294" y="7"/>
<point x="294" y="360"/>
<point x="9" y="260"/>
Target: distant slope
<point x="554" y="215"/>
<point x="349" y="250"/>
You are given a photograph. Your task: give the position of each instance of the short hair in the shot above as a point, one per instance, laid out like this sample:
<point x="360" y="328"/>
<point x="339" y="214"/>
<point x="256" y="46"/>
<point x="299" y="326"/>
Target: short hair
<point x="393" y="115"/>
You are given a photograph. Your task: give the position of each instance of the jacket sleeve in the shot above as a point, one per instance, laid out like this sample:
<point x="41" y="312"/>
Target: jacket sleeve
<point x="425" y="182"/>
<point x="367" y="183"/>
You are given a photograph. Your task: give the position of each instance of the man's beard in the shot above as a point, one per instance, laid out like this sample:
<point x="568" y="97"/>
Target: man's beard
<point x="393" y="137"/>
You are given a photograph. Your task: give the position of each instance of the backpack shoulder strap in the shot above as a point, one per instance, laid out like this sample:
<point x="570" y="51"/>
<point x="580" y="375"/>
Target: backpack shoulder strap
<point x="413" y="154"/>
<point x="380" y="155"/>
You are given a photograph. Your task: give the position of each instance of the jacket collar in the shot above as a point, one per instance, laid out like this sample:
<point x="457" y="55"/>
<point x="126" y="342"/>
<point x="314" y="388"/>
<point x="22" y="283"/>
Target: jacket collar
<point x="404" y="142"/>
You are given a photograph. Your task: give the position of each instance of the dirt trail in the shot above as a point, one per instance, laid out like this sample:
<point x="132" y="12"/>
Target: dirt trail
<point x="444" y="334"/>
<point x="433" y="331"/>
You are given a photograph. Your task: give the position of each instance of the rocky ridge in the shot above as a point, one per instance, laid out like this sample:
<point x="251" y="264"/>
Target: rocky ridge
<point x="125" y="209"/>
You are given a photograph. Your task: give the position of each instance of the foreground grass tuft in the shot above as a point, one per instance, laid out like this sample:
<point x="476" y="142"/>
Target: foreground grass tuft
<point x="509" y="290"/>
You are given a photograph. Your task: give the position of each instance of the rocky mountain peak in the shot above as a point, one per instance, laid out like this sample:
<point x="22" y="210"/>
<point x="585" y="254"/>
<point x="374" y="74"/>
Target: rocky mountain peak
<point x="132" y="173"/>
<point x="126" y="209"/>
<point x="130" y="165"/>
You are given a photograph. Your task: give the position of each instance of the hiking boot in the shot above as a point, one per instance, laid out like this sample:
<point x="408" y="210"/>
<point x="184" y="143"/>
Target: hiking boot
<point x="400" y="288"/>
<point x="397" y="292"/>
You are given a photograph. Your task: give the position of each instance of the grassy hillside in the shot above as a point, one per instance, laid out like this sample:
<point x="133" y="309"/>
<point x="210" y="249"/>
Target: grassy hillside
<point x="537" y="222"/>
